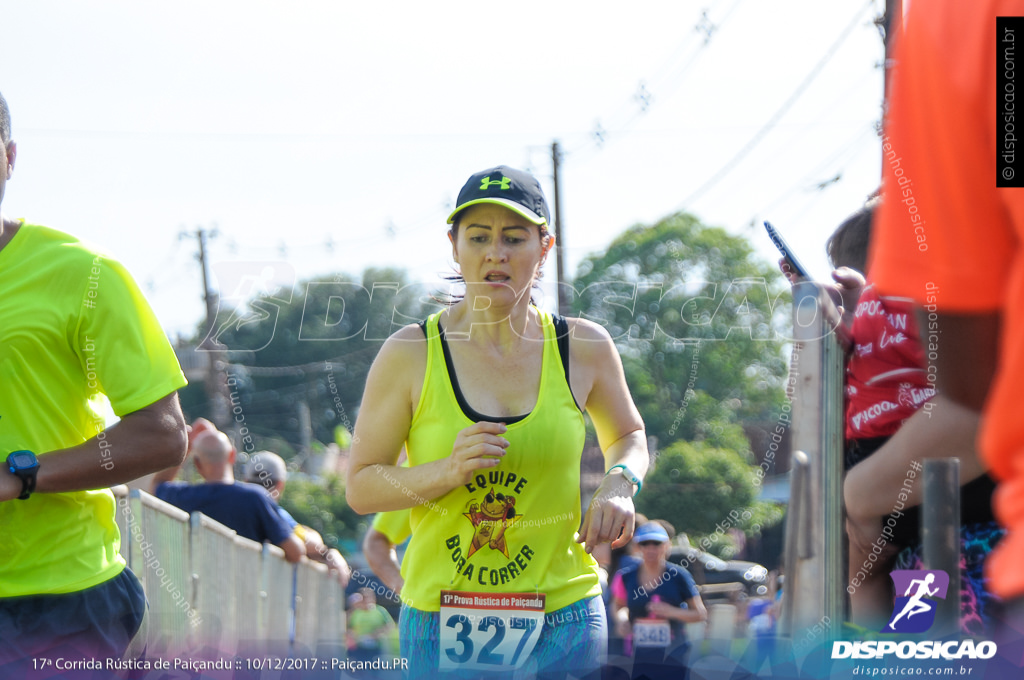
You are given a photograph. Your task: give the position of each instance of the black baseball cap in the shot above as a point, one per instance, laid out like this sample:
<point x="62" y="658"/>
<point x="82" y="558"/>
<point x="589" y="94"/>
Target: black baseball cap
<point x="516" y="190"/>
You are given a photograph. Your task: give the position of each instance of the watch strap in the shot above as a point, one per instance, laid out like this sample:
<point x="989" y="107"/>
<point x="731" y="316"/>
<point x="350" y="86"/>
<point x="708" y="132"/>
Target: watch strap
<point x="26" y="475"/>
<point x="28" y="485"/>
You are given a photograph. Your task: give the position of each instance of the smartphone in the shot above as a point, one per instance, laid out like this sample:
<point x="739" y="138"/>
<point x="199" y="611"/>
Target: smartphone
<point x="787" y="253"/>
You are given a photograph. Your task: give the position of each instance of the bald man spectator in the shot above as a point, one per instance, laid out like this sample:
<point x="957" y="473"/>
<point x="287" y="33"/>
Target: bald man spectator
<point x="247" y="509"/>
<point x="267" y="469"/>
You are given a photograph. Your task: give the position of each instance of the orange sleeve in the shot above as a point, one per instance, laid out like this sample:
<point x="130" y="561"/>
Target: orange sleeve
<point x="944" y="234"/>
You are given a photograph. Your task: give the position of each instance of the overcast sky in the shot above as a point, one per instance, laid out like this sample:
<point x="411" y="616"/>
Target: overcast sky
<point x="328" y="136"/>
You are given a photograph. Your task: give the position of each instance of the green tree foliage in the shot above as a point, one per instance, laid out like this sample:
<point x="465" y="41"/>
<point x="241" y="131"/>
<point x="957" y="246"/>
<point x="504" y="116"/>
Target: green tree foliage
<point x="320" y="504"/>
<point x="697" y="319"/>
<point x="695" y="486"/>
<point x="698" y="487"/>
<point x="311" y="343"/>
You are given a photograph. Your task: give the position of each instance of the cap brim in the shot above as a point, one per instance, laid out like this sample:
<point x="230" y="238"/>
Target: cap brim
<point x="504" y="202"/>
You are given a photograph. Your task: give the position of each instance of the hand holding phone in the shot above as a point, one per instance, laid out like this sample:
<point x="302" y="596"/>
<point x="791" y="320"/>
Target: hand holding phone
<point x="787" y="254"/>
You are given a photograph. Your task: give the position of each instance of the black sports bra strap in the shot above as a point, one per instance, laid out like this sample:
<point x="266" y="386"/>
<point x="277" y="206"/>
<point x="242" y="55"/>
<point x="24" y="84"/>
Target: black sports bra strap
<point x="562" y="334"/>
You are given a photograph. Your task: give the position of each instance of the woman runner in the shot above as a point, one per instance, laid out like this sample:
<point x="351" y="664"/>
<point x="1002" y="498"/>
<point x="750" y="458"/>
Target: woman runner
<point x="488" y="397"/>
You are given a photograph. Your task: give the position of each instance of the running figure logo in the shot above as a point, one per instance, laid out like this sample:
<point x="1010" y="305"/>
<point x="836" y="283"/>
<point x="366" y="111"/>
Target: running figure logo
<point x="914" y="611"/>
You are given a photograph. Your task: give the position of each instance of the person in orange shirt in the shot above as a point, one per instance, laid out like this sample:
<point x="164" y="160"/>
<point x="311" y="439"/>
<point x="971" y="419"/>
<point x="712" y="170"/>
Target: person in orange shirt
<point x="949" y="238"/>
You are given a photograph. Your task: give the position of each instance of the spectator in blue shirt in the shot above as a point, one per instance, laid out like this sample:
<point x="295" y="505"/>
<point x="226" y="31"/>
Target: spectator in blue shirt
<point x="268" y="470"/>
<point x="653" y="600"/>
<point x="246" y="508"/>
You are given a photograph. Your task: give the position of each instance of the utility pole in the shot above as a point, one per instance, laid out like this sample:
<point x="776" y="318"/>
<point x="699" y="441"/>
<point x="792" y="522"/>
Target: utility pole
<point x="306" y="437"/>
<point x="892" y="22"/>
<point x="211" y="308"/>
<point x="216" y="379"/>
<point x="563" y="298"/>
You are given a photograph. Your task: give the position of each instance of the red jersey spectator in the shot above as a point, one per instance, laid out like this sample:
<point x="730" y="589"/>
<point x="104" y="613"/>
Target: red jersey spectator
<point x="885" y="377"/>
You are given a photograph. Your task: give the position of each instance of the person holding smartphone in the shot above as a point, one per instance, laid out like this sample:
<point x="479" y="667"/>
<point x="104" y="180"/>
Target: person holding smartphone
<point x="893" y="420"/>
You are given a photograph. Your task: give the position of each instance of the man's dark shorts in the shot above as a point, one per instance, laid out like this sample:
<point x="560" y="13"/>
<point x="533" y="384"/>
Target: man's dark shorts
<point x="96" y="623"/>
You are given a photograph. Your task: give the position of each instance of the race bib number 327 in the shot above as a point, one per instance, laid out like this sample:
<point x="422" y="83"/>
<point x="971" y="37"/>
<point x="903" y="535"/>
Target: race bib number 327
<point x="489" y="631"/>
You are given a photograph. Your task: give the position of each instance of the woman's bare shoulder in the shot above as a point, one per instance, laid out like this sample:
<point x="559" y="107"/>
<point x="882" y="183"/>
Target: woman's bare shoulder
<point x="397" y="371"/>
<point x="404" y="345"/>
<point x="587" y="332"/>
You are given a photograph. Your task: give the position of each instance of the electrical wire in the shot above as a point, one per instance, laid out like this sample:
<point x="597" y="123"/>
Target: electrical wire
<point x="812" y="179"/>
<point x="662" y="86"/>
<point x="777" y="116"/>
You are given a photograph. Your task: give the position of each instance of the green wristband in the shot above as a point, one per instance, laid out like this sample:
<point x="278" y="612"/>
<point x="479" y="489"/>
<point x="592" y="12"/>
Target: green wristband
<point x="629" y="475"/>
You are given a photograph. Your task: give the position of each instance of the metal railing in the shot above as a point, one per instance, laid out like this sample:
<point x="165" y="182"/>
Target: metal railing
<point x="212" y="592"/>
<point x="814" y="592"/>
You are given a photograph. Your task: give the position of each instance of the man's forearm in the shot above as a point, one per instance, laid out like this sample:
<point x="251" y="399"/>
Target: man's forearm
<point x="382" y="559"/>
<point x="147" y="440"/>
<point x="165" y="475"/>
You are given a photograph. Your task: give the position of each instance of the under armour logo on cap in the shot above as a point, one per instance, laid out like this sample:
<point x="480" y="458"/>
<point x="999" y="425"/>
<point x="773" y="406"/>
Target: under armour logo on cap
<point x="486" y="182"/>
<point x="514" y="189"/>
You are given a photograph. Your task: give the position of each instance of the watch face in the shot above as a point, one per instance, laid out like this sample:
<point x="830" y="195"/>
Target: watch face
<point x="23" y="459"/>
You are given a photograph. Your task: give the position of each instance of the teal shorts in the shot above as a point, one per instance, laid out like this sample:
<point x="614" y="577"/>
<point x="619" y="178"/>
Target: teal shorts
<point x="574" y="641"/>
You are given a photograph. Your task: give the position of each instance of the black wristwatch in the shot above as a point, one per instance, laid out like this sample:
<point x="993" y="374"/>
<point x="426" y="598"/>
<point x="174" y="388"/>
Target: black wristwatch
<point x="24" y="465"/>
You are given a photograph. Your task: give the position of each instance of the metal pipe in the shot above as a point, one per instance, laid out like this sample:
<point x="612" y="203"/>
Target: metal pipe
<point x="940" y="536"/>
<point x="797" y="534"/>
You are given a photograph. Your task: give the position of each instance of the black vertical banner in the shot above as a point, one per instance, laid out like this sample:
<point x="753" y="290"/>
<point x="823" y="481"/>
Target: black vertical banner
<point x="1009" y="86"/>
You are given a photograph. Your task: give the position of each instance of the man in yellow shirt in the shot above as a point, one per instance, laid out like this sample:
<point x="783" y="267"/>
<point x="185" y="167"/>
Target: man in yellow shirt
<point x="75" y="332"/>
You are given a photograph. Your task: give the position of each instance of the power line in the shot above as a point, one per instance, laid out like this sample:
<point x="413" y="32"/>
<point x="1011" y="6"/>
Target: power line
<point x="785" y="147"/>
<point x="773" y="121"/>
<point x="311" y="368"/>
<point x="812" y="179"/>
<point x="648" y="91"/>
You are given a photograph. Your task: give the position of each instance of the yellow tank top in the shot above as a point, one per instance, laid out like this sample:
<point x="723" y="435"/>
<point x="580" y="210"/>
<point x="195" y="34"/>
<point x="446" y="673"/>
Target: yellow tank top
<point x="513" y="528"/>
